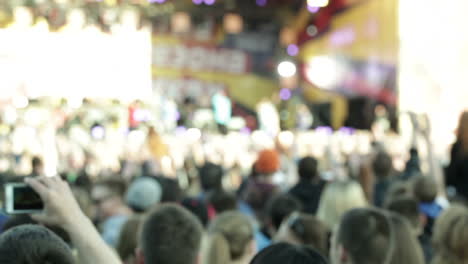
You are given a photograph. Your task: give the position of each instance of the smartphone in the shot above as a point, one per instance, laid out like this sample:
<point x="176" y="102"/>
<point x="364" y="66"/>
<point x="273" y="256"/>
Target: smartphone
<point x="20" y="198"/>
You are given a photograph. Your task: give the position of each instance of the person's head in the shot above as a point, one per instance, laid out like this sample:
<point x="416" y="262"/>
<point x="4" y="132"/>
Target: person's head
<point x="33" y="244"/>
<point x="368" y="236"/>
<point x="143" y="193"/>
<point x="451" y="236"/>
<point x="462" y="132"/>
<point x="284" y="253"/>
<point x="382" y="165"/>
<point x="170" y="235"/>
<point x="425" y="189"/>
<point x="337" y="198"/>
<point x="222" y="201"/>
<point x="128" y="238"/>
<point x="407" y="207"/>
<point x="171" y="190"/>
<point x="37" y="166"/>
<point x="304" y="229"/>
<point x="279" y="207"/>
<point x="108" y="195"/>
<point x="268" y="162"/>
<point x="308" y="168"/>
<point x="230" y="238"/>
<point x="198" y="208"/>
<point x="211" y="177"/>
<point x="397" y="190"/>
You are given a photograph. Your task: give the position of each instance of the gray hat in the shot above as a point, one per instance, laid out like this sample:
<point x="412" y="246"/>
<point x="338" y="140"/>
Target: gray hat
<point x="143" y="193"/>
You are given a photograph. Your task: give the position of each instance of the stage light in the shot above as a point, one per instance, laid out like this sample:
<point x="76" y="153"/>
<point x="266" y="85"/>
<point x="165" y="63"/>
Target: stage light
<point x="209" y="2"/>
<point x="286" y="69"/>
<point x="312" y="30"/>
<point x="317" y="3"/>
<point x="324" y="72"/>
<point x="292" y="50"/>
<point x="313" y="9"/>
<point x="285" y="94"/>
<point x="286" y="138"/>
<point x="197" y="2"/>
<point x="20" y="101"/>
<point x="261" y="2"/>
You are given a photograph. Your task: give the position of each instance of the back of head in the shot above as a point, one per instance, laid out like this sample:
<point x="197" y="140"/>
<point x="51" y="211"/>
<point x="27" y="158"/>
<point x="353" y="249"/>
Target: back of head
<point x="280" y="206"/>
<point x="365" y="234"/>
<point x="337" y="198"/>
<point x="211" y="176"/>
<point x="283" y="253"/>
<point x="308" y="168"/>
<point x="33" y="244"/>
<point x="222" y="201"/>
<point x="143" y="193"/>
<point x="170" y="235"/>
<point x="425" y="189"/>
<point x="198" y="208"/>
<point x="451" y="236"/>
<point x="408" y="208"/>
<point x="268" y="162"/>
<point x="128" y="238"/>
<point x="407" y="249"/>
<point x="382" y="165"/>
<point x="229" y="238"/>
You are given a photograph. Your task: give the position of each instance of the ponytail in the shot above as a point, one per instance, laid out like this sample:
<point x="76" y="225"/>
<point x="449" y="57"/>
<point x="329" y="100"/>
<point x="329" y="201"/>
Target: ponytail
<point x="217" y="249"/>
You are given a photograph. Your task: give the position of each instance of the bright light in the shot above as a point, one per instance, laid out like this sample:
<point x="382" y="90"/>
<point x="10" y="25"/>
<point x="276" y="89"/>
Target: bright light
<point x="181" y="22"/>
<point x="194" y="134"/>
<point x="75" y="102"/>
<point x="318" y="3"/>
<point x="292" y="50"/>
<point x="286" y="138"/>
<point x="233" y="23"/>
<point x="312" y="30"/>
<point x="286" y="69"/>
<point x="324" y="72"/>
<point x="20" y="101"/>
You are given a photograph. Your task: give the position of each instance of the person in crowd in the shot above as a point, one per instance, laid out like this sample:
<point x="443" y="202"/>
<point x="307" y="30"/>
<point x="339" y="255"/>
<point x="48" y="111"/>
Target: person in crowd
<point x="37" y="167"/>
<point x="222" y="201"/>
<point x="211" y="178"/>
<point x="304" y="229"/>
<point x="284" y="253"/>
<point x="171" y="191"/>
<point x="128" y="239"/>
<point x="408" y="207"/>
<point x="199" y="209"/>
<point x="425" y="191"/>
<point x="278" y="208"/>
<point x="383" y="169"/>
<point x="170" y="235"/>
<point x="337" y="198"/>
<point x="310" y="186"/>
<point x="143" y="193"/>
<point x="112" y="211"/>
<point x="230" y="239"/>
<point x="261" y="188"/>
<point x="61" y="209"/>
<point x="457" y="171"/>
<point x="367" y="236"/>
<point x="33" y="244"/>
<point x="451" y="236"/>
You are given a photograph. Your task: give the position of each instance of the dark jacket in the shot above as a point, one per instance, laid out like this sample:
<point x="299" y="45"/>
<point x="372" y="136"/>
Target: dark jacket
<point x="309" y="194"/>
<point x="457" y="171"/>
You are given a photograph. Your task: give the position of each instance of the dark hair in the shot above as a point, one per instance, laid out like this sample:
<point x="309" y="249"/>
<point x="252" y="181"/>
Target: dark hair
<point x="171" y="190"/>
<point x="407" y="207"/>
<point x="425" y="189"/>
<point x="311" y="231"/>
<point x="36" y="162"/>
<point x="382" y="165"/>
<point x="25" y="219"/>
<point x="308" y="168"/>
<point x="284" y="253"/>
<point x="198" y="208"/>
<point x="33" y="244"/>
<point x="280" y="206"/>
<point x="366" y="235"/>
<point x="222" y="201"/>
<point x="211" y="176"/>
<point x="171" y="235"/>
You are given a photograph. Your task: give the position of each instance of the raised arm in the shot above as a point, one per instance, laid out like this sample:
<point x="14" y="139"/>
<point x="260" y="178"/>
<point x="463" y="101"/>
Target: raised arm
<point x="61" y="209"/>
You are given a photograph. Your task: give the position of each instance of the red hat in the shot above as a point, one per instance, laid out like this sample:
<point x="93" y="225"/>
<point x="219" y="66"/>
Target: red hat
<point x="268" y="162"/>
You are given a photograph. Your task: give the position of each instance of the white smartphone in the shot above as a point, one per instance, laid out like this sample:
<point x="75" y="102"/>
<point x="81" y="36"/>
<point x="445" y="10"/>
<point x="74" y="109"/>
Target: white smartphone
<point x="20" y="198"/>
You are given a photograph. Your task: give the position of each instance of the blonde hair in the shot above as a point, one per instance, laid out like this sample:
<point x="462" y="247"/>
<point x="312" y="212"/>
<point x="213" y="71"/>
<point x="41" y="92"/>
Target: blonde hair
<point x="451" y="237"/>
<point x="338" y="198"/>
<point x="228" y="238"/>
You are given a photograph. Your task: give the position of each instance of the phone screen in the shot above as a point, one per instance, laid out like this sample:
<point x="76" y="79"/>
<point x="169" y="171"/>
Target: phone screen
<point x="25" y="198"/>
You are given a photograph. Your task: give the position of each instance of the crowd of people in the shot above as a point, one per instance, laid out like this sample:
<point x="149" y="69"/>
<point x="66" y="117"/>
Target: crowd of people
<point x="369" y="213"/>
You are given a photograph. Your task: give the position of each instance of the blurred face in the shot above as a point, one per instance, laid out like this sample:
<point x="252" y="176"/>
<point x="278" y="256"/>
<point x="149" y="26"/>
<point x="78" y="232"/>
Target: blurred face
<point x="105" y="202"/>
